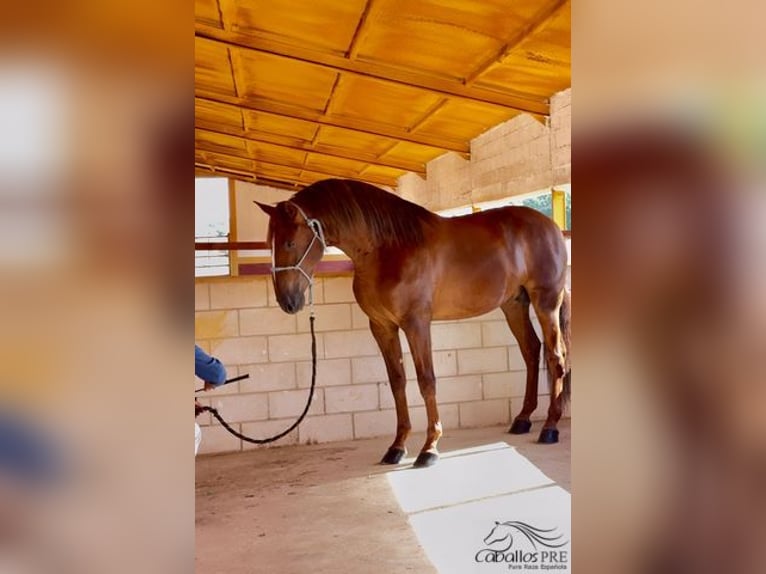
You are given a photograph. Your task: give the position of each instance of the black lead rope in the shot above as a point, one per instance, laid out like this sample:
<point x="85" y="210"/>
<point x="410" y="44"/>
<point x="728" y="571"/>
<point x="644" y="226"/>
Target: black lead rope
<point x="240" y="436"/>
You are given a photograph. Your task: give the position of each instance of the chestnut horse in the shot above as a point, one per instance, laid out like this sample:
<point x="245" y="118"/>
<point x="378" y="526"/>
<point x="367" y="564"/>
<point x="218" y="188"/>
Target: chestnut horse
<point x="412" y="267"/>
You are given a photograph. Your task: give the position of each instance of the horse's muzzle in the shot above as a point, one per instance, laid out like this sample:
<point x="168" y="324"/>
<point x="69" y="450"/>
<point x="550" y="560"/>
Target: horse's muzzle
<point x="291" y="303"/>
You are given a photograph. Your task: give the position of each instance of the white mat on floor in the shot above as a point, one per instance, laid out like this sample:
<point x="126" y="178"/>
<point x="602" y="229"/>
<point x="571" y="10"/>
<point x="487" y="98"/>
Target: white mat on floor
<point x="454" y="506"/>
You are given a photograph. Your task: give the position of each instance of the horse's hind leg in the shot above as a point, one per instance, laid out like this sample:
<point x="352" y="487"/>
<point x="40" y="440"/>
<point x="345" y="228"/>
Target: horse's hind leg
<point x="516" y="312"/>
<point x="547" y="304"/>
<point x="387" y="337"/>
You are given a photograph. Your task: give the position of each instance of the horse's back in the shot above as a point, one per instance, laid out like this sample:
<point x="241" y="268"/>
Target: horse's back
<point x="483" y="259"/>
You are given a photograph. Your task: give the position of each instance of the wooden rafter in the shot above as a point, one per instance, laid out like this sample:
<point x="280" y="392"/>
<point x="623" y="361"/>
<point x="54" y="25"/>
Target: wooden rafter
<point x="356" y="125"/>
<point x="222" y="151"/>
<point x="546" y="13"/>
<point x="355" y="156"/>
<point x="436" y="85"/>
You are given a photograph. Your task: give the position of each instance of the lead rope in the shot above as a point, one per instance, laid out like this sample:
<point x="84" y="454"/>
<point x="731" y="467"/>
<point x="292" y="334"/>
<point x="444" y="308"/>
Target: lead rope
<point x="213" y="411"/>
<point x="316" y="227"/>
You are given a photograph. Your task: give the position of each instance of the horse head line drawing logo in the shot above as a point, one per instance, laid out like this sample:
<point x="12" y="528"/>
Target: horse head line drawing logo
<point x="500" y="538"/>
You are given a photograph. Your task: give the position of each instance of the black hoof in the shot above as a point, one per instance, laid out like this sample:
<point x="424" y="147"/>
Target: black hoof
<point x="426" y="459"/>
<point x="393" y="456"/>
<point x="548" y="436"/>
<point x="520" y="427"/>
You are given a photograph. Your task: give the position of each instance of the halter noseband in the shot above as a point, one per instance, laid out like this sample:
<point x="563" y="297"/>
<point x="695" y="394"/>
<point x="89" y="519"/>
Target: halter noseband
<point x="316" y="228"/>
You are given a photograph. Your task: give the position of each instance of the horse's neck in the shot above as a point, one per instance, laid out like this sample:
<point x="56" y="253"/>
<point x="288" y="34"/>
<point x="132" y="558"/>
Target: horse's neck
<point x="353" y="242"/>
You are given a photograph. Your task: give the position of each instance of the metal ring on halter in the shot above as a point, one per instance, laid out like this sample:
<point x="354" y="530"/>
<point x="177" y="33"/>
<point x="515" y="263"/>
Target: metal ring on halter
<point x="316" y="228"/>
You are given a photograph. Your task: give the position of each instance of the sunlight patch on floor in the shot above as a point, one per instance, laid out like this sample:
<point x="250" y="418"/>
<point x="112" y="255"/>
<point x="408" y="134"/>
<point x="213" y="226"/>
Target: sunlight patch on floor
<point x="454" y="505"/>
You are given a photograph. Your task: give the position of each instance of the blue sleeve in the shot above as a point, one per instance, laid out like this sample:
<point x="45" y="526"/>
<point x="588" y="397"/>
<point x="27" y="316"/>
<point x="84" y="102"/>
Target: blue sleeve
<point x="208" y="368"/>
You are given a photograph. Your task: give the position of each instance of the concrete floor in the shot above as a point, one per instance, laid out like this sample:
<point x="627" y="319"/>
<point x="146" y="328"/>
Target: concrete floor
<point x="328" y="508"/>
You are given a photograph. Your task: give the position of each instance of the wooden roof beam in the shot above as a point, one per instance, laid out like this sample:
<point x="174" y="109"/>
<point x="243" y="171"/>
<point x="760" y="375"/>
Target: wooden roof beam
<point x="538" y="21"/>
<point x="356" y="125"/>
<point x="436" y="85"/>
<point x="363" y="158"/>
<point x="232" y="153"/>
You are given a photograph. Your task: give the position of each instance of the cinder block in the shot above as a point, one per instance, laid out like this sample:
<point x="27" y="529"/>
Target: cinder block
<point x="270" y="377"/>
<point x="215" y="324"/>
<point x="375" y="423"/>
<point x="488" y="360"/>
<point x="338" y="290"/>
<point x="286" y="404"/>
<point x="237" y="293"/>
<point x="266" y="321"/>
<point x="368" y="370"/>
<point x="455" y="336"/>
<point x="240" y="350"/>
<point x="293" y="347"/>
<point x="330" y="373"/>
<point x="201" y="296"/>
<point x="265" y="429"/>
<point x="504" y="385"/>
<point x="326" y="428"/>
<point x="484" y="413"/>
<point x="351" y="398"/>
<point x="458" y="389"/>
<point x="217" y="439"/>
<point x="496" y="334"/>
<point x="339" y="344"/>
<point x="412" y="390"/>
<point x="243" y="407"/>
<point x="329" y="317"/>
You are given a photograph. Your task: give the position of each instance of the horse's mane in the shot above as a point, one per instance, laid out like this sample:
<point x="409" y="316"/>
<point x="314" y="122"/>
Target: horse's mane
<point x="356" y="206"/>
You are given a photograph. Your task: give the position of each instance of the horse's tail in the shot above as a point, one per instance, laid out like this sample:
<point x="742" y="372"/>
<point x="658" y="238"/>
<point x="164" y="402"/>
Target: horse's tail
<point x="565" y="324"/>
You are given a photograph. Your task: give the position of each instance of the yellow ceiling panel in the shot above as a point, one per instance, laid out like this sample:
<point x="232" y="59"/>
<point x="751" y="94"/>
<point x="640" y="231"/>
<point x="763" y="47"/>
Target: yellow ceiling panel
<point x="381" y="102"/>
<point x="413" y="152"/>
<point x="323" y="24"/>
<point x="275" y="154"/>
<point x="206" y="11"/>
<point x="261" y="75"/>
<point x="279" y="126"/>
<point x="216" y="114"/>
<point x="464" y="120"/>
<point x="211" y="66"/>
<point x="382" y="172"/>
<point x="443" y="38"/>
<point x="329" y="164"/>
<point x="225" y="161"/>
<point x="270" y="170"/>
<point x="228" y="141"/>
<point x="350" y="140"/>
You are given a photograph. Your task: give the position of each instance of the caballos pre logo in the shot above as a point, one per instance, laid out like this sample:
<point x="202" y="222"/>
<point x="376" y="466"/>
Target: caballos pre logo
<point x="524" y="547"/>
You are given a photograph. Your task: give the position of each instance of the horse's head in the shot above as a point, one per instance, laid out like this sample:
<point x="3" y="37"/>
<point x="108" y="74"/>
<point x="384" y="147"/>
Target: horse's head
<point x="499" y="533"/>
<point x="297" y="245"/>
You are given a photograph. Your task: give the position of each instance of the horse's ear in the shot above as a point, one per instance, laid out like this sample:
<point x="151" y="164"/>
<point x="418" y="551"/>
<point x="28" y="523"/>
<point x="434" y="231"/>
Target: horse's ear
<point x="291" y="210"/>
<point x="267" y="209"/>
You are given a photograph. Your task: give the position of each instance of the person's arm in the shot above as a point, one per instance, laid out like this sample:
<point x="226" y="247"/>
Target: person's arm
<point x="208" y="368"/>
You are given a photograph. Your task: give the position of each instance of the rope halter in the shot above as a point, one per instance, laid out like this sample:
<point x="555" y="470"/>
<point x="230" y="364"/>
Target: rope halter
<point x="316" y="228"/>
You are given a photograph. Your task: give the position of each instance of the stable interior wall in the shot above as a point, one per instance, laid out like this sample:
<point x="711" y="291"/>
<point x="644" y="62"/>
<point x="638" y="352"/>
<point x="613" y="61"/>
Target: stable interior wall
<point x="481" y="374"/>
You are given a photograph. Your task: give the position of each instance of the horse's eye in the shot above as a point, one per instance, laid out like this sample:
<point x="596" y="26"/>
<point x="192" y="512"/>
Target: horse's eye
<point x="289" y="244"/>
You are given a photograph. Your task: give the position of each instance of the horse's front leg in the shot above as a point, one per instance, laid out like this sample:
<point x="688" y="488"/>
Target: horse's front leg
<point x="387" y="337"/>
<point x="419" y="338"/>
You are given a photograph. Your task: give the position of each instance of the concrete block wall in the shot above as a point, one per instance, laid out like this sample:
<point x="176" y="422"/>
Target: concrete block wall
<point x="480" y="372"/>
<point x="519" y="156"/>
